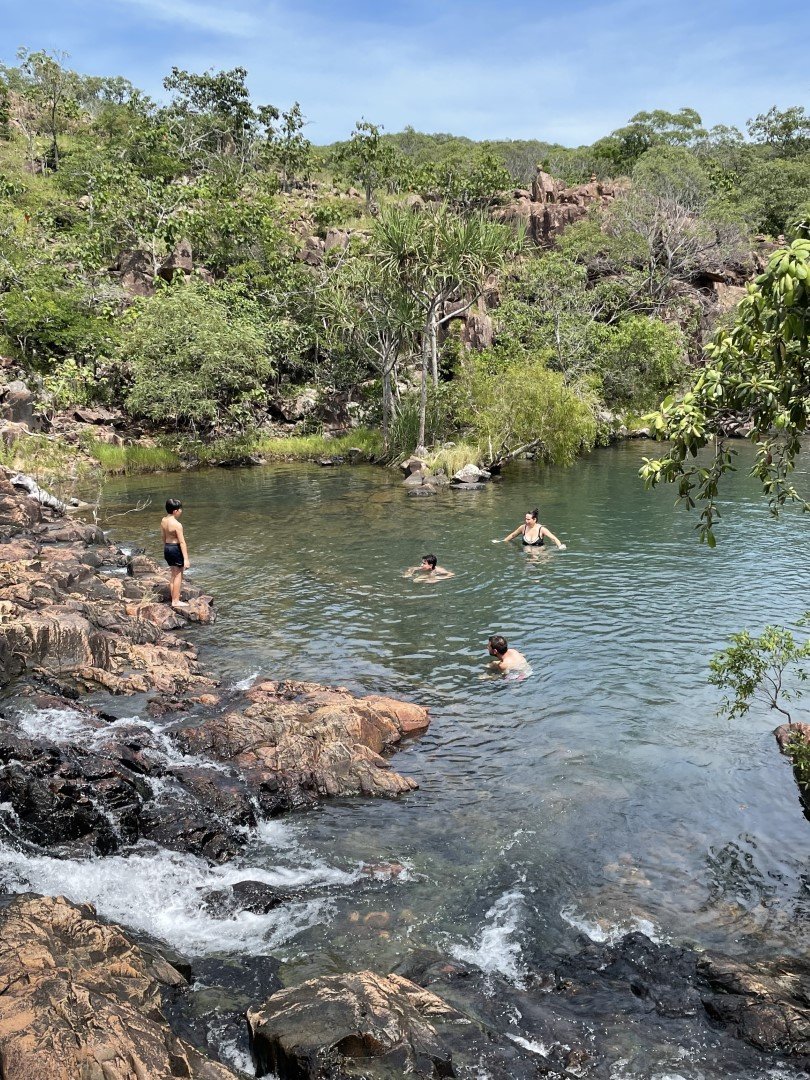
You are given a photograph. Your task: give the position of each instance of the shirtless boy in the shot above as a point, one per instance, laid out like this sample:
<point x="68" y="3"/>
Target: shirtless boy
<point x="429" y="568"/>
<point x="506" y="659"/>
<point x="175" y="551"/>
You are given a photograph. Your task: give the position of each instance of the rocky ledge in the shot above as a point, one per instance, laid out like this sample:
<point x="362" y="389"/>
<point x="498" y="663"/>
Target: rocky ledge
<point x="79" y="613"/>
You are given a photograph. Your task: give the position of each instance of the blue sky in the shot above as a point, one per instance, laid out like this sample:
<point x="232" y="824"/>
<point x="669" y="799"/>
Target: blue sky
<point x="485" y="68"/>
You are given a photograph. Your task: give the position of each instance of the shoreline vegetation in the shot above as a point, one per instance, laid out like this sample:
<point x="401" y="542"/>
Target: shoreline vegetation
<point x="199" y="272"/>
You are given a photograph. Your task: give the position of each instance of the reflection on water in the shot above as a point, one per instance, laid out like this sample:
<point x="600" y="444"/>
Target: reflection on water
<point x="602" y="793"/>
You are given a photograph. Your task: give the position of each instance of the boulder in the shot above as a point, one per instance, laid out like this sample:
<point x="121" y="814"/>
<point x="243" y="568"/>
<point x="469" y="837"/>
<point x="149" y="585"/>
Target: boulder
<point x="135" y="272"/>
<point x="413" y="465"/>
<point x="470" y="474"/>
<point x="365" y="1025"/>
<point x="17" y="403"/>
<point x="295" y="742"/>
<point x="179" y="262"/>
<point x="81" y="1000"/>
<point x="253" y="896"/>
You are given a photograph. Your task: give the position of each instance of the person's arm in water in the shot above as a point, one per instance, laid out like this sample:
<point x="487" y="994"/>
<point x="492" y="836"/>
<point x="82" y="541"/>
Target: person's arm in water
<point x="441" y="572"/>
<point x="512" y="535"/>
<point x="181" y="540"/>
<point x="547" y="532"/>
<point x="411" y="571"/>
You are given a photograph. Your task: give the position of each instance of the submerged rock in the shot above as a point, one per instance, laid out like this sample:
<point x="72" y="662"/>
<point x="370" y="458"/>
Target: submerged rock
<point x="81" y="1000"/>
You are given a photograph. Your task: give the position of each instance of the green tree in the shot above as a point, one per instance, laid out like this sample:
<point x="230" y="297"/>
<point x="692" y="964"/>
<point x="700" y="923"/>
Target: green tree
<point x="756" y="381"/>
<point x="51" y="92"/>
<point x="199" y="359"/>
<point x="288" y="149"/>
<point x="767" y="668"/>
<point x="439" y="256"/>
<point x="785" y="131"/>
<point x="365" y="306"/>
<point x="367" y="159"/>
<point x="514" y="404"/>
<point x="472" y="185"/>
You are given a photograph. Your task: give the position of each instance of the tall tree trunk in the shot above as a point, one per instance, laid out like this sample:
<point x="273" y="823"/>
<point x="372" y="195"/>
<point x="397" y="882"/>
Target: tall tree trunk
<point x="434" y="352"/>
<point x="421" y="450"/>
<point x="386" y="402"/>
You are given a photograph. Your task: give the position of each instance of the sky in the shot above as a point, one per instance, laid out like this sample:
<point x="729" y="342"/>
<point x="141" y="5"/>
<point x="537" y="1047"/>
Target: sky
<point x="562" y="72"/>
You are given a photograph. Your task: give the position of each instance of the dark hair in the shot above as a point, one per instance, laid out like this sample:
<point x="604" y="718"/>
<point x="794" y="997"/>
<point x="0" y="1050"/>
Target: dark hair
<point x="535" y="513"/>
<point x="498" y="643"/>
<point x="431" y="560"/>
<point x="172" y="505"/>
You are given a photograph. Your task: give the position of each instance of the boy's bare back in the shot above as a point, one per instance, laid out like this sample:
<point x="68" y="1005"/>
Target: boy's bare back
<point x="171" y="530"/>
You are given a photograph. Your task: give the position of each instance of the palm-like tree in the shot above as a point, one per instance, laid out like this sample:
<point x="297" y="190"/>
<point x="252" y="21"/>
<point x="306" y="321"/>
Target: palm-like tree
<point x="436" y="256"/>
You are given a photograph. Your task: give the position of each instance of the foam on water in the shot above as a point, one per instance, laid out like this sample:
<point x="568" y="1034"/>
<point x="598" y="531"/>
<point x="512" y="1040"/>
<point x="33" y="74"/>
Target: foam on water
<point x="58" y="725"/>
<point x="529" y="1044"/>
<point x="160" y="892"/>
<point x="605" y="932"/>
<point x="494" y="950"/>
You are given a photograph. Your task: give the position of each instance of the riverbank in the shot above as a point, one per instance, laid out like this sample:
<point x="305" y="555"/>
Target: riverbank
<point x="191" y="782"/>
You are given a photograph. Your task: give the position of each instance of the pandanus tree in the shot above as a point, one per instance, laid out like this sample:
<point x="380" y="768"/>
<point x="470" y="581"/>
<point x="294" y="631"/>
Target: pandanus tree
<point x="437" y="256"/>
<point x="364" y="306"/>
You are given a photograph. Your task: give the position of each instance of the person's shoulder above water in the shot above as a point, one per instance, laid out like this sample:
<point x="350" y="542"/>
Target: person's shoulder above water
<point x="429" y="569"/>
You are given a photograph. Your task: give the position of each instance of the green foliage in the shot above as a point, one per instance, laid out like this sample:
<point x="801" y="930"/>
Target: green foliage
<point x="133" y="459"/>
<point x="636" y="360"/>
<point x="797" y="749"/>
<point x="786" y="132"/>
<point x="334" y="214"/>
<point x="767" y="668"/>
<point x="69" y="384"/>
<point x="367" y="159"/>
<point x="511" y="402"/>
<point x="200" y="359"/>
<point x="757" y="373"/>
<point x="288" y="149"/>
<point x="473" y="184"/>
<point x="672" y="172"/>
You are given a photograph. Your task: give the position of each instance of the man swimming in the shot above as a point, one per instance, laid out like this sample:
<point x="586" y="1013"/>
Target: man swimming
<point x="175" y="551"/>
<point x="506" y="659"/>
<point x="430" y="569"/>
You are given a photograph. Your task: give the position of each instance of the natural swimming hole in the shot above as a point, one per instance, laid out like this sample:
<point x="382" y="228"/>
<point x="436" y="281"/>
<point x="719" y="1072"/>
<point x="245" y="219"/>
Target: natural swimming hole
<point x="600" y="795"/>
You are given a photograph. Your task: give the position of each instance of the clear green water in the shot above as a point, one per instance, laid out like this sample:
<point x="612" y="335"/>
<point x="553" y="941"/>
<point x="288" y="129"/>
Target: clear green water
<point x="601" y="793"/>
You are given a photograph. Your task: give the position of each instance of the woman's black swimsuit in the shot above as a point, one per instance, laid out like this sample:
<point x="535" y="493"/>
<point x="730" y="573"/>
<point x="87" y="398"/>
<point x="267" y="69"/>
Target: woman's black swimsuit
<point x="533" y="543"/>
<point x="173" y="555"/>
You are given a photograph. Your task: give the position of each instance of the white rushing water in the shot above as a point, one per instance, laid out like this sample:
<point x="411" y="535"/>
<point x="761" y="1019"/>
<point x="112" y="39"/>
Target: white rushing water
<point x="495" y="949"/>
<point x="161" y="892"/>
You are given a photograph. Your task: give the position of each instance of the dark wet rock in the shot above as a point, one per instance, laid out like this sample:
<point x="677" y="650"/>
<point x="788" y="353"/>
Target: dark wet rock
<point x="224" y="989"/>
<point x="468" y="487"/>
<point x="766" y="1004"/>
<point x="253" y="896"/>
<point x="294" y="742"/>
<point x="82" y="1000"/>
<point x="365" y="1025"/>
<point x="425" y="491"/>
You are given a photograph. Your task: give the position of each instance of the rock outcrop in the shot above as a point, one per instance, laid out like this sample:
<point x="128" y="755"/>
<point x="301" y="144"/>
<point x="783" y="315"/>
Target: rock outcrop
<point x="366" y="1025"/>
<point x="551" y="206"/>
<point x="66" y="619"/>
<point x="80" y="1000"/>
<point x="295" y="742"/>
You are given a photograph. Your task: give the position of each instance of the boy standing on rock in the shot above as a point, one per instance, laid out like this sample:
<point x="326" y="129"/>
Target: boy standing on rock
<point x="175" y="551"/>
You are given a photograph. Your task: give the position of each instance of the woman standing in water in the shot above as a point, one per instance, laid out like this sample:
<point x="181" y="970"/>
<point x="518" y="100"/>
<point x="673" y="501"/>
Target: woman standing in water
<point x="533" y="532"/>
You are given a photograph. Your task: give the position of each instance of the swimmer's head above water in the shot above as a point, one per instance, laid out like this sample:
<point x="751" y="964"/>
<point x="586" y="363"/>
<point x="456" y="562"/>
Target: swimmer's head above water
<point x="173" y="505"/>
<point x="531" y="517"/>
<point x="429" y="562"/>
<point x="498" y="645"/>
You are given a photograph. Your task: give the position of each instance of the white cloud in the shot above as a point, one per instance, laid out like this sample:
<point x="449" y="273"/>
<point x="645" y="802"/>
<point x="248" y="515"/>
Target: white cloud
<point x="217" y="20"/>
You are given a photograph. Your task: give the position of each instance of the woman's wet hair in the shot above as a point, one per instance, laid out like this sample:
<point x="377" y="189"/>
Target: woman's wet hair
<point x="498" y="644"/>
<point x="534" y="513"/>
<point x="431" y="560"/>
<point x="172" y="505"/>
